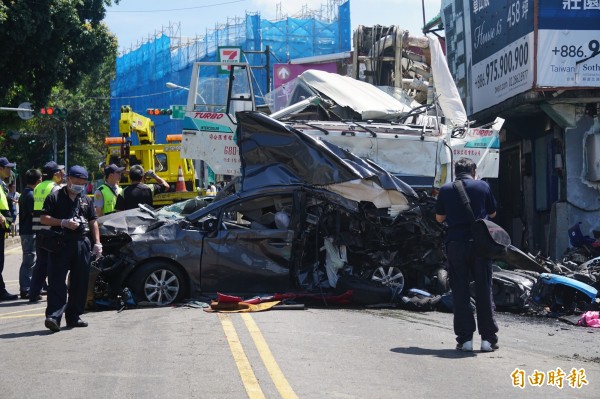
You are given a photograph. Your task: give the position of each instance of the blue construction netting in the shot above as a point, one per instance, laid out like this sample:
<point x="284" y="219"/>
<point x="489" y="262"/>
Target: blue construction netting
<point x="142" y="74"/>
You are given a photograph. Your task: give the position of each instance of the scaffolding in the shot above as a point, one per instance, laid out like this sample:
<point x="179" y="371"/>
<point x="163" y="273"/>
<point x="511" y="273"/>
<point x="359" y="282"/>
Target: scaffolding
<point x="143" y="70"/>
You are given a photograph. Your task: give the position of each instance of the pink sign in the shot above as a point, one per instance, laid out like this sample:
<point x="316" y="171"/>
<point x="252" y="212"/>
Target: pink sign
<point x="283" y="73"/>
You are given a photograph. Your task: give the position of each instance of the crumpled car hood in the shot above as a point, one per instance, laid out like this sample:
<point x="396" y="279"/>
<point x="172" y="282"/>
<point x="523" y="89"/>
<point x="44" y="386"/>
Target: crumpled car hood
<point x="132" y="221"/>
<point x="274" y="154"/>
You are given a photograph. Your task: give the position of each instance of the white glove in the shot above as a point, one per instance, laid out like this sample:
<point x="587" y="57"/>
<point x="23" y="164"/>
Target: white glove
<point x="97" y="251"/>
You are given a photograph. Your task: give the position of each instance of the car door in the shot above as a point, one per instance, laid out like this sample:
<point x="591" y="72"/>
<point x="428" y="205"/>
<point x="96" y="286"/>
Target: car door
<point x="251" y="249"/>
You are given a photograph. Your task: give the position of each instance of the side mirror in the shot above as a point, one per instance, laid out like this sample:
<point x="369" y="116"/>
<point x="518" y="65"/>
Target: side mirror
<point x="209" y="225"/>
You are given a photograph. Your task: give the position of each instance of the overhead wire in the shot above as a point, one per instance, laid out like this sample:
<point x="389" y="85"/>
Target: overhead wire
<point x="177" y="9"/>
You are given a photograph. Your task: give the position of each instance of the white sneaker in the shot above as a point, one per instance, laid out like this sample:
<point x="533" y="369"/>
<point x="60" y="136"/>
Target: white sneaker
<point x="487" y="346"/>
<point x="465" y="346"/>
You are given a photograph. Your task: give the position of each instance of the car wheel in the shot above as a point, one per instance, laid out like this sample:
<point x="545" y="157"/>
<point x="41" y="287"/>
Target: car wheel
<point x="365" y="292"/>
<point x="390" y="277"/>
<point x="158" y="282"/>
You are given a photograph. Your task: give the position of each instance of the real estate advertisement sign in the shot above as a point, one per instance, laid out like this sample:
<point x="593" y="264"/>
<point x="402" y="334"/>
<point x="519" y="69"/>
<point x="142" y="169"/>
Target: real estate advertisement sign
<point x="497" y="38"/>
<point x="568" y="43"/>
<point x="502" y="50"/>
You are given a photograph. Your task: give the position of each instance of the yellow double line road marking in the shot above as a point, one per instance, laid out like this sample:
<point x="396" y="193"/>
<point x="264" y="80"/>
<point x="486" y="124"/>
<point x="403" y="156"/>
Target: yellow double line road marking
<point x="243" y="364"/>
<point x="241" y="360"/>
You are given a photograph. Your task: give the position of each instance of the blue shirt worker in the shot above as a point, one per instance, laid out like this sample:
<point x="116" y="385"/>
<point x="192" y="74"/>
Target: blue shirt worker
<point x="105" y="197"/>
<point x="52" y="178"/>
<point x="33" y="177"/>
<point x="5" y="222"/>
<point x="71" y="212"/>
<point x="463" y="264"/>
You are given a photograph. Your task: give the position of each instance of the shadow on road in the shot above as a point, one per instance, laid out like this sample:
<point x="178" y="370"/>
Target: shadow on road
<point x="25" y="334"/>
<point x="443" y="353"/>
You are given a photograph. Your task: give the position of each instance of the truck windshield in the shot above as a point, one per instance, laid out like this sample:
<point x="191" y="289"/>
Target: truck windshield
<point x="213" y="90"/>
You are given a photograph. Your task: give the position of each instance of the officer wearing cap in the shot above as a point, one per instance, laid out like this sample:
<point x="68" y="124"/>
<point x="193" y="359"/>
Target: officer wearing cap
<point x="52" y="177"/>
<point x="105" y="197"/>
<point x="72" y="212"/>
<point x="5" y="222"/>
<point x="139" y="192"/>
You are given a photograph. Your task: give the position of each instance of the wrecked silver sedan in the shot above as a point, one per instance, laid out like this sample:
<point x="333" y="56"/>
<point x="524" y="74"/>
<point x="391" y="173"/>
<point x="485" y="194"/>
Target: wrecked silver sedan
<point x="306" y="213"/>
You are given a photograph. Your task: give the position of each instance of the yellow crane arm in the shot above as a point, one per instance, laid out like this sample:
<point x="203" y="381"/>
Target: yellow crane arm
<point x="133" y="122"/>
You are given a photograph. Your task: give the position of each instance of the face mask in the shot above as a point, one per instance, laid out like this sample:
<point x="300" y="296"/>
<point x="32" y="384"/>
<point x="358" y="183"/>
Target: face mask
<point x="77" y="188"/>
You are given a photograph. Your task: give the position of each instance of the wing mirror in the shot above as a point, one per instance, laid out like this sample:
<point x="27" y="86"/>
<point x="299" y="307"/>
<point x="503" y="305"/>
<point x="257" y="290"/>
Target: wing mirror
<point x="209" y="225"/>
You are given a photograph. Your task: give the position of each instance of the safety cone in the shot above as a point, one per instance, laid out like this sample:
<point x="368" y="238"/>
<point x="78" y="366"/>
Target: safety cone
<point x="180" y="187"/>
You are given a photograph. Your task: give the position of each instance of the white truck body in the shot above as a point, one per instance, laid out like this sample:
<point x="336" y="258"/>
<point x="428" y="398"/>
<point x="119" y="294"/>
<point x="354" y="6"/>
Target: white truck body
<point x="423" y="148"/>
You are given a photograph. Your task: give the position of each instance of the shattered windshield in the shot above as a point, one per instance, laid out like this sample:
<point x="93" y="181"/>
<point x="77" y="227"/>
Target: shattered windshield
<point x="180" y="209"/>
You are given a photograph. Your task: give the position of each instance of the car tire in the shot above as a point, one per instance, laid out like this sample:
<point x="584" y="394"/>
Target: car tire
<point x="158" y="282"/>
<point x="389" y="276"/>
<point x="365" y="292"/>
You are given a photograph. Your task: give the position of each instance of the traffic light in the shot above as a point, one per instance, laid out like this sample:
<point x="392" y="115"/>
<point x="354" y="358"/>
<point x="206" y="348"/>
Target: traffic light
<point x="159" y="111"/>
<point x="60" y="113"/>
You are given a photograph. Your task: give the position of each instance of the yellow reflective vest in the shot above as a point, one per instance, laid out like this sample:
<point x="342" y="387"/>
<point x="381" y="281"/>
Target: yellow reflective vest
<point x="4" y="207"/>
<point x="40" y="192"/>
<point x="110" y="198"/>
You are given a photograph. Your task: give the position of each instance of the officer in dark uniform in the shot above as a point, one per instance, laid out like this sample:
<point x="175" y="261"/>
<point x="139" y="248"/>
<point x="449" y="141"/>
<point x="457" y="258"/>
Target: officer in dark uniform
<point x="71" y="211"/>
<point x="463" y="261"/>
<point x="52" y="175"/>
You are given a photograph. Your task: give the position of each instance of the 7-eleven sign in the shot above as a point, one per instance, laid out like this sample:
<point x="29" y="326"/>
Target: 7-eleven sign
<point x="229" y="54"/>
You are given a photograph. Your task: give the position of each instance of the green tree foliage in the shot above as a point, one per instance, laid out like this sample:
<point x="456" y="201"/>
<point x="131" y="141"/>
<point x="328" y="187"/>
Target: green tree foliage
<point x="86" y="125"/>
<point x="71" y="69"/>
<point x="44" y="42"/>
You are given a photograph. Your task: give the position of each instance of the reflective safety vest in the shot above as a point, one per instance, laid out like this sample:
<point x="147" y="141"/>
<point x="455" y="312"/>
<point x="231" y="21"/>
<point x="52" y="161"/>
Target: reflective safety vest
<point x="4" y="207"/>
<point x="110" y="198"/>
<point x="40" y="192"/>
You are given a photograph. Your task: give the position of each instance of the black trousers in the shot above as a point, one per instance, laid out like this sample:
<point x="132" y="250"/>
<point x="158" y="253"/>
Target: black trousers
<point x="39" y="272"/>
<point x="465" y="267"/>
<point x="2" y="285"/>
<point x="74" y="259"/>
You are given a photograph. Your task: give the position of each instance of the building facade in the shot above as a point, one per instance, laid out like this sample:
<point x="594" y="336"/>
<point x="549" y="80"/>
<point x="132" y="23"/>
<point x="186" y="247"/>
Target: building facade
<point x="536" y="64"/>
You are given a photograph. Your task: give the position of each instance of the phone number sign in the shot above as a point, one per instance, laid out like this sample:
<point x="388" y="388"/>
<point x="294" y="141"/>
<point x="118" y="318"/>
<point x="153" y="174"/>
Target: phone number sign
<point x="568" y="44"/>
<point x="503" y="74"/>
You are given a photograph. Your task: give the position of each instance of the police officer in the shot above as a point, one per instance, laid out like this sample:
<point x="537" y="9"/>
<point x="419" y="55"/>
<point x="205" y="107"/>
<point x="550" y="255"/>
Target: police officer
<point x="52" y="175"/>
<point x="71" y="211"/>
<point x="139" y="192"/>
<point x="105" y="197"/>
<point x="5" y="222"/>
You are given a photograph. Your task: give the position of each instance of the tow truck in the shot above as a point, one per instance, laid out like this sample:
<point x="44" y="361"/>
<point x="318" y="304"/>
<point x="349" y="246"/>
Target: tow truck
<point x="164" y="159"/>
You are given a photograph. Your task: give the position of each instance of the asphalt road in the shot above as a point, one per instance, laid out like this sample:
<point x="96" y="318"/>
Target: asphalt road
<point x="181" y="352"/>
